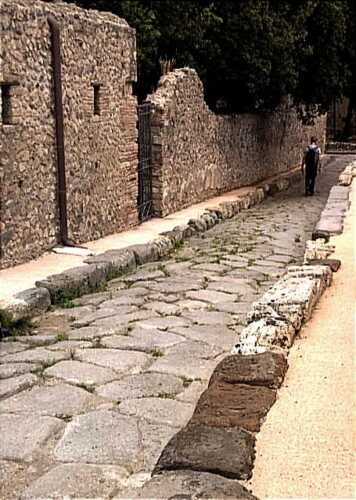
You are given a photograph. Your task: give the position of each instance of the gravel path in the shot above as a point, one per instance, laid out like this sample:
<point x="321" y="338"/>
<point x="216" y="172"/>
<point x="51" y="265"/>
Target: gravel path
<point x="101" y="387"/>
<point x="307" y="442"/>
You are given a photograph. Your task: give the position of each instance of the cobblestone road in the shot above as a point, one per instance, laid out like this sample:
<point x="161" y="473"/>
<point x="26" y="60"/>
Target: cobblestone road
<point x="95" y="395"/>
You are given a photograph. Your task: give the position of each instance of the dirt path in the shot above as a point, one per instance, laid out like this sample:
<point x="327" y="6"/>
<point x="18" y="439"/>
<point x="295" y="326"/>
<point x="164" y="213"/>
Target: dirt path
<point x="306" y="446"/>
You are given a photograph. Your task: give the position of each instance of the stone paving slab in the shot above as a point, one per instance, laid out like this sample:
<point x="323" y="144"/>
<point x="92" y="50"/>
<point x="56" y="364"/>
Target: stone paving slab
<point x="82" y="374"/>
<point x="11" y="386"/>
<point x="102" y="437"/>
<point x="143" y="385"/>
<point x="15" y="369"/>
<point x="146" y="340"/>
<point x="77" y="481"/>
<point x="60" y="400"/>
<point x="188" y="485"/>
<point x="119" y="361"/>
<point x="158" y="410"/>
<point x="31" y="431"/>
<point x="39" y="355"/>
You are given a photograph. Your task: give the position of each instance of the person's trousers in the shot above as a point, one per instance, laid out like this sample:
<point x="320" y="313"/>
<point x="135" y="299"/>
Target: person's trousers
<point x="310" y="175"/>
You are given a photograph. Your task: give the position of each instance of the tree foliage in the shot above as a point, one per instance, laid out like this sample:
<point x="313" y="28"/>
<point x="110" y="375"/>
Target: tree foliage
<point x="249" y="53"/>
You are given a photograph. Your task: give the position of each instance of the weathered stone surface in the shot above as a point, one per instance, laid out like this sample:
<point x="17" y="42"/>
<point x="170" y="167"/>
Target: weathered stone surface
<point x="13" y="385"/>
<point x="162" y="308"/>
<point x="118" y="261"/>
<point x="209" y="296"/>
<point x="23" y="435"/>
<point x="145" y="340"/>
<point x="101" y="437"/>
<point x="96" y="332"/>
<point x="60" y="400"/>
<point x="164" y="411"/>
<point x="188" y="359"/>
<point x="69" y="345"/>
<point x="93" y="299"/>
<point x="85" y="374"/>
<point x="11" y="348"/>
<point x="142" y="385"/>
<point x="102" y="313"/>
<point x="226" y="451"/>
<point x="120" y="322"/>
<point x="334" y="264"/>
<point x="14" y="369"/>
<point x="193" y="392"/>
<point x="30" y="303"/>
<point x="208" y="317"/>
<point x="39" y="340"/>
<point x="168" y="322"/>
<point x="265" y="334"/>
<point x="175" y="286"/>
<point x="154" y="439"/>
<point x="77" y="481"/>
<point x="119" y="361"/>
<point x="234" y="405"/>
<point x="220" y="336"/>
<point x="146" y="252"/>
<point x="188" y="485"/>
<point x="233" y="286"/>
<point x="37" y="355"/>
<point x="266" y="369"/>
<point x="74" y="282"/>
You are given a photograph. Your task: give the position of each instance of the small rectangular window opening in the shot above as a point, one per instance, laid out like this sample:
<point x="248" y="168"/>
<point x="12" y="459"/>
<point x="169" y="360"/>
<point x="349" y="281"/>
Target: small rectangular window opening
<point x="96" y="87"/>
<point x="6" y="107"/>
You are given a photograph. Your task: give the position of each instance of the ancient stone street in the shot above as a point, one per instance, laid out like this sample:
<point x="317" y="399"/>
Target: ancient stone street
<point x="104" y="383"/>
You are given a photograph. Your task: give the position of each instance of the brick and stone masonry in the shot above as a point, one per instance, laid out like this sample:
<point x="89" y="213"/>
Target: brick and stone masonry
<point x="100" y="113"/>
<point x="198" y="154"/>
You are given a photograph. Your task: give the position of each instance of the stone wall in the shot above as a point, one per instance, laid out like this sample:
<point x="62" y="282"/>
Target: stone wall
<point x="98" y="58"/>
<point x="198" y="154"/>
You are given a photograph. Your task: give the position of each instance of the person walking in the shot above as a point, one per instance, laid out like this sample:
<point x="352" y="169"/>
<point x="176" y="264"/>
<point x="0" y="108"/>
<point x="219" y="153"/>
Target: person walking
<point x="311" y="164"/>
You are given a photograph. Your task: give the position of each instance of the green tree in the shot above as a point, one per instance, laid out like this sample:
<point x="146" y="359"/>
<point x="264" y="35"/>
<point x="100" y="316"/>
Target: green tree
<point x="249" y="53"/>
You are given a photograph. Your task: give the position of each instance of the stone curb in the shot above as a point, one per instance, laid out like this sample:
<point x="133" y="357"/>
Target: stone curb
<point x="332" y="218"/>
<point x="243" y="387"/>
<point x="101" y="268"/>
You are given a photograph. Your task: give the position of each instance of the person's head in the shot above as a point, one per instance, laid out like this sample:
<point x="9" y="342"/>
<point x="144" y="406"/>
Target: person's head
<point x="313" y="140"/>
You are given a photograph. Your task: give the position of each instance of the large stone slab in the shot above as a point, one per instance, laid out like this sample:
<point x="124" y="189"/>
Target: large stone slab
<point x="15" y="369"/>
<point x="13" y="385"/>
<point x="60" y="400"/>
<point x="24" y="435"/>
<point x="234" y="405"/>
<point x="74" y="282"/>
<point x="79" y="373"/>
<point x="103" y="312"/>
<point x="101" y="437"/>
<point x="226" y="451"/>
<point x="77" y="481"/>
<point x="39" y="355"/>
<point x="220" y="336"/>
<point x="119" y="361"/>
<point x="154" y="438"/>
<point x="146" y="340"/>
<point x="210" y="296"/>
<point x="266" y="369"/>
<point x="142" y="385"/>
<point x="11" y="347"/>
<point x="175" y="286"/>
<point x="158" y="411"/>
<point x="188" y="485"/>
<point x="166" y="323"/>
<point x="209" y="318"/>
<point x="233" y="286"/>
<point x="116" y="261"/>
<point x="188" y="359"/>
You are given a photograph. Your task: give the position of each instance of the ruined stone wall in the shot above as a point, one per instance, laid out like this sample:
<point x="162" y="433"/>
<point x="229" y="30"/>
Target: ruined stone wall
<point x="98" y="68"/>
<point x="198" y="154"/>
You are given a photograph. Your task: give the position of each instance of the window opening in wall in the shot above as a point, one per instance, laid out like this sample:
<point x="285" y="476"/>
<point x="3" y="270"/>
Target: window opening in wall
<point x="6" y="107"/>
<point x="97" y="88"/>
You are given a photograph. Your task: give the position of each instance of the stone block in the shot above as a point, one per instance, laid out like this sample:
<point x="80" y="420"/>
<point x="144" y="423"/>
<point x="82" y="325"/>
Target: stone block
<point x="77" y="481"/>
<point x="266" y="369"/>
<point x="228" y="452"/>
<point x="117" y="262"/>
<point x="74" y="282"/>
<point x="13" y="385"/>
<point x="234" y="405"/>
<point x="23" y="435"/>
<point x="333" y="264"/>
<point x="264" y="334"/>
<point x="188" y="484"/>
<point x="29" y="303"/>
